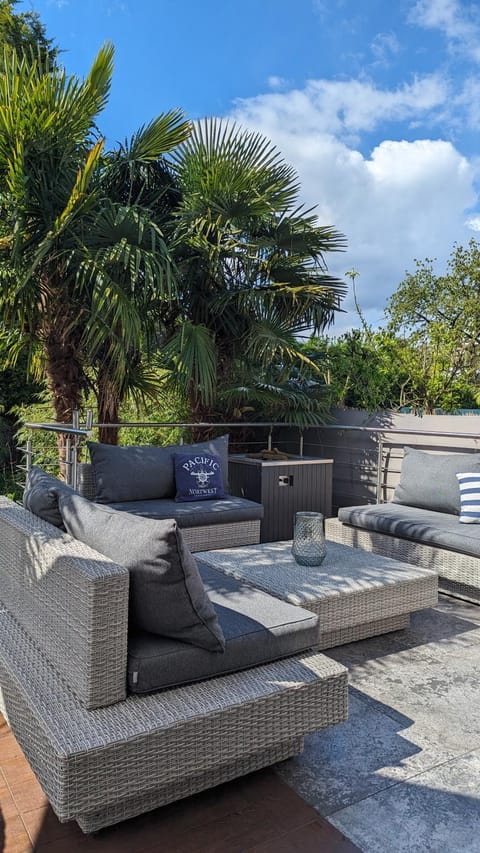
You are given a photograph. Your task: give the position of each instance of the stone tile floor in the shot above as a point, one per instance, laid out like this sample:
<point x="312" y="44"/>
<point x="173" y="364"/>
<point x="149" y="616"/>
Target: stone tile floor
<point x="402" y="775"/>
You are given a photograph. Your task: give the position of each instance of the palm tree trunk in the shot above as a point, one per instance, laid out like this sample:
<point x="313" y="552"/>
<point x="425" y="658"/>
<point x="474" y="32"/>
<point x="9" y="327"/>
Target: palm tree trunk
<point x="108" y="404"/>
<point x="199" y="413"/>
<point x="66" y="382"/>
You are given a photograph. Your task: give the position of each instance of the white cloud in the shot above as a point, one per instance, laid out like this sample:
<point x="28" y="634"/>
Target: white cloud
<point x="345" y="107"/>
<point x="473" y="223"/>
<point x="385" y="46"/>
<point x="467" y="101"/>
<point x="459" y="22"/>
<point x="405" y="200"/>
<point x="276" y="82"/>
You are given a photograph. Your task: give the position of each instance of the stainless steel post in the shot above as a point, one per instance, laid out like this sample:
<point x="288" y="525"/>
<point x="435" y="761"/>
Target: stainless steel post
<point x="28" y="454"/>
<point x="68" y="460"/>
<point x="379" y="470"/>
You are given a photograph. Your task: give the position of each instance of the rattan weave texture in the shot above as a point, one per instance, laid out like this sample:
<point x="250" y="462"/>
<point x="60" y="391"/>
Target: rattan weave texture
<point x="72" y="602"/>
<point x="93" y="761"/>
<point x="355" y="594"/>
<point x="459" y="574"/>
<point x="187" y="787"/>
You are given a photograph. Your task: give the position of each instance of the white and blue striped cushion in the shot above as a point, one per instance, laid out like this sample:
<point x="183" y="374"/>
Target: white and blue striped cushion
<point x="469" y="497"/>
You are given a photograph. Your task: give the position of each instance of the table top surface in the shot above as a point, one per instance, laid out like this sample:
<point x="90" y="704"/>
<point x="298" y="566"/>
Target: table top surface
<point x="271" y="463"/>
<point x="270" y="566"/>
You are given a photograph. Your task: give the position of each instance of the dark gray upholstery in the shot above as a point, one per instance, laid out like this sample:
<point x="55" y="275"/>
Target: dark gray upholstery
<point x="40" y="495"/>
<point x="430" y="528"/>
<point x="257" y="628"/>
<point x="428" y="480"/>
<point x="195" y="513"/>
<point x="167" y="595"/>
<point x="144" y="473"/>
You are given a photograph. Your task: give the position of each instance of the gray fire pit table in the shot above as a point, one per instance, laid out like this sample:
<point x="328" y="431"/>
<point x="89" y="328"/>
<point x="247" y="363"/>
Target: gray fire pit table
<point x="355" y="593"/>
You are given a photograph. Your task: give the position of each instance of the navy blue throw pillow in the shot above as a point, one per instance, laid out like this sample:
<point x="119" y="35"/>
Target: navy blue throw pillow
<point x="198" y="476"/>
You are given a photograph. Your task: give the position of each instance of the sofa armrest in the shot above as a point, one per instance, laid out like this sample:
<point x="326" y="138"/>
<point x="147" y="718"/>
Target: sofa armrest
<point x="70" y="600"/>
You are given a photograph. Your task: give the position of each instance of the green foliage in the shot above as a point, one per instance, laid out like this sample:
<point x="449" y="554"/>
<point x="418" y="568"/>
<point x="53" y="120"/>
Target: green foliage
<point x="363" y="369"/>
<point x="427" y="358"/>
<point x="439" y="319"/>
<point x="169" y="410"/>
<point x="191" y="241"/>
<point x="84" y="264"/>
<point x="24" y="34"/>
<point x="253" y="278"/>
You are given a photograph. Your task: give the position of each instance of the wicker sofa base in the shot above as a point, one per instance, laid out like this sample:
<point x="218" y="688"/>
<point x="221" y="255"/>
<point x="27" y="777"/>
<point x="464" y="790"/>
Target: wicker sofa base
<point x="213" y="536"/>
<point x="101" y="766"/>
<point x="341" y="636"/>
<point x="459" y="574"/>
<point x="134" y="806"/>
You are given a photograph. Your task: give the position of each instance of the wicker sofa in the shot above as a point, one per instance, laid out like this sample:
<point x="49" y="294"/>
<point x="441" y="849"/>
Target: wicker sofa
<point x="422" y="524"/>
<point x="101" y="753"/>
<point x="140" y="480"/>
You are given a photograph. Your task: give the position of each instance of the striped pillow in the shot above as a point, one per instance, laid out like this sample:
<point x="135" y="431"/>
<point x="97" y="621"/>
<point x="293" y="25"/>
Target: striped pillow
<point x="469" y="498"/>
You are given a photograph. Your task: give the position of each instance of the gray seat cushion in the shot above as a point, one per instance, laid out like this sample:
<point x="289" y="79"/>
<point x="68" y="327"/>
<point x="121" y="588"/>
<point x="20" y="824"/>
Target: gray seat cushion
<point x="257" y="628"/>
<point x="144" y="473"/>
<point x="41" y="493"/>
<point x="441" y="529"/>
<point x="195" y="513"/>
<point x="428" y="480"/>
<point x="167" y="595"/>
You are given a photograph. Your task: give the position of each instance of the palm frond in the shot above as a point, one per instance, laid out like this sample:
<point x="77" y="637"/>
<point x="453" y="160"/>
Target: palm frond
<point x="160" y="136"/>
<point x="193" y="358"/>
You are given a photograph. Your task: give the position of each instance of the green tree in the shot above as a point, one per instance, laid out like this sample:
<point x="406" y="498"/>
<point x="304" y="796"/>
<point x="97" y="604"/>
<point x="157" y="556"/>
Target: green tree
<point x="83" y="260"/>
<point x="25" y="34"/>
<point x="364" y="369"/>
<point x="253" y="277"/>
<point x="438" y="316"/>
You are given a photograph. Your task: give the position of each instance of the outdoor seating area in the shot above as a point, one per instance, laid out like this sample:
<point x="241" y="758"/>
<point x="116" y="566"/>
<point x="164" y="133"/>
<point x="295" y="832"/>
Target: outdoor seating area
<point x="123" y="703"/>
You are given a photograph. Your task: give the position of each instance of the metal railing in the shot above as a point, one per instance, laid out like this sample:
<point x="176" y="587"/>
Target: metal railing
<point x="76" y="433"/>
<point x="374" y="468"/>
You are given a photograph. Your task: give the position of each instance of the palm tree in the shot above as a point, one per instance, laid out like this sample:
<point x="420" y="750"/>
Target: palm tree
<point x="83" y="259"/>
<point x="253" y="275"/>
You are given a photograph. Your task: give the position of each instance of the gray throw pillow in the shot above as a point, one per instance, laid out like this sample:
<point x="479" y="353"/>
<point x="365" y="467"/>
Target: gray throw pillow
<point x="428" y="480"/>
<point x="167" y="595"/>
<point x="145" y="473"/>
<point x="41" y="493"/>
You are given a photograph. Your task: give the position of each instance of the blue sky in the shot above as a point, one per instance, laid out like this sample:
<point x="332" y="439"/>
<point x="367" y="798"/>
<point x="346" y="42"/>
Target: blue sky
<point x="376" y="104"/>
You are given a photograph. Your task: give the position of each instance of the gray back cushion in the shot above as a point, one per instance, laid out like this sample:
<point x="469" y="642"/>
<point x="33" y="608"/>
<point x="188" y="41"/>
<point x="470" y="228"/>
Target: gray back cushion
<point x="428" y="480"/>
<point x="144" y="473"/>
<point x="40" y="495"/>
<point x="167" y="595"/>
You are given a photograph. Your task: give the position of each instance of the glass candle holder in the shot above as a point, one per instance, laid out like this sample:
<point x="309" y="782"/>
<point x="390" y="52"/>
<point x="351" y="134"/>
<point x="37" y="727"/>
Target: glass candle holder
<point x="308" y="546"/>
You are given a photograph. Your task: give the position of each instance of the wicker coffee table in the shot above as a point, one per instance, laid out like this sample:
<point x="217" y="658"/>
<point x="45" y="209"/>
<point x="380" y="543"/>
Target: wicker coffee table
<point x="355" y="593"/>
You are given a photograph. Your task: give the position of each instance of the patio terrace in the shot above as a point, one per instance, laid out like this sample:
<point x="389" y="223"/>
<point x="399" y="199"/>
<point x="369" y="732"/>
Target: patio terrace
<point x="403" y="773"/>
